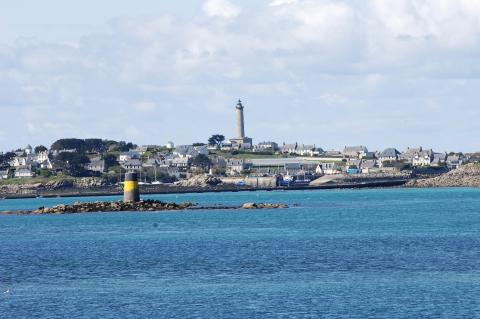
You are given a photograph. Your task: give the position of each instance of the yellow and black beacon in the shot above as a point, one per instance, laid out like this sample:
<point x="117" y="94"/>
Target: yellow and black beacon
<point x="131" y="192"/>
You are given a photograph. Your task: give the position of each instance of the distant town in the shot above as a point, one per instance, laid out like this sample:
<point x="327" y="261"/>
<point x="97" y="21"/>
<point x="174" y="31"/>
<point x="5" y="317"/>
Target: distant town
<point x="289" y="163"/>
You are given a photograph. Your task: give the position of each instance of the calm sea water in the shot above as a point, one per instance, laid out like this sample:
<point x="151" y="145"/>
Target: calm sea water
<point x="393" y="253"/>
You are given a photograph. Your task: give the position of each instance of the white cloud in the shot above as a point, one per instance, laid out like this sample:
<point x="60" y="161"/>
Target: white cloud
<point x="221" y="8"/>
<point x="318" y="65"/>
<point x="277" y="3"/>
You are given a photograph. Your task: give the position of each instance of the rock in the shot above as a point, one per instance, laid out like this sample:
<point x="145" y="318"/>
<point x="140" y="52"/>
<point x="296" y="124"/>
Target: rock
<point x="249" y="206"/>
<point x="148" y="205"/>
<point x="465" y="176"/>
<point x="199" y="181"/>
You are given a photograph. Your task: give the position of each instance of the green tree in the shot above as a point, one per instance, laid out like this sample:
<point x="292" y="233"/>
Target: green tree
<point x="216" y="139"/>
<point x="40" y="149"/>
<point x="110" y="161"/>
<point x="68" y="144"/>
<point x="5" y="159"/>
<point x="94" y="145"/>
<point x="43" y="172"/>
<point x="72" y="163"/>
<point x="202" y="161"/>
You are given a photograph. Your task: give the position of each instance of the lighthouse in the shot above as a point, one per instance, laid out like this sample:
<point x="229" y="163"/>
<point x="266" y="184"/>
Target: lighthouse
<point x="240" y="121"/>
<point x="241" y="141"/>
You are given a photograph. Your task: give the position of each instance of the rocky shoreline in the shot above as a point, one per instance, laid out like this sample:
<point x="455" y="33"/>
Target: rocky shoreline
<point x="465" y="176"/>
<point x="141" y="206"/>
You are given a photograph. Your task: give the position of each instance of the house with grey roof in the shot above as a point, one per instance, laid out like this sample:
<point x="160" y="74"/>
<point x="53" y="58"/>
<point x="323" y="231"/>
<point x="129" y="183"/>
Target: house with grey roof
<point x="236" y="166"/>
<point x="423" y="158"/>
<point x="306" y="150"/>
<point x="190" y="151"/>
<point x="132" y="165"/>
<point x="180" y="162"/>
<point x="439" y="159"/>
<point x="367" y="166"/>
<point x="410" y="153"/>
<point x="266" y="147"/>
<point x="355" y="151"/>
<point x="289" y="148"/>
<point x="388" y="155"/>
<point x="454" y="161"/>
<point x="127" y="156"/>
<point x="19" y="161"/>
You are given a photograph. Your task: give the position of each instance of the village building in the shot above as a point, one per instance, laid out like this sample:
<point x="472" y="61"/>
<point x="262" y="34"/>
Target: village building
<point x="355" y="151"/>
<point x="169" y="170"/>
<point x="389" y="155"/>
<point x="367" y="166"/>
<point x="132" y="165"/>
<point x="454" y="161"/>
<point x="289" y="148"/>
<point x="41" y="157"/>
<point x="23" y="172"/>
<point x="422" y="158"/>
<point x="266" y="147"/>
<point x="226" y="146"/>
<point x="96" y="165"/>
<point x="128" y="156"/>
<point x="181" y="162"/>
<point x="190" y="151"/>
<point x="236" y="166"/>
<point x="330" y="168"/>
<point x="410" y="153"/>
<point x="439" y="159"/>
<point x="306" y="150"/>
<point x="4" y="174"/>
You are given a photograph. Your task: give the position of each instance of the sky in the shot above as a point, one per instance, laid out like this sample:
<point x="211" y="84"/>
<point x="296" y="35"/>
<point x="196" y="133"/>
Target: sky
<point x="379" y="73"/>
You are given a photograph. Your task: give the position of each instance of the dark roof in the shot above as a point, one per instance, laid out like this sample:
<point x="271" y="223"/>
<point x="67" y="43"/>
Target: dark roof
<point x="389" y="152"/>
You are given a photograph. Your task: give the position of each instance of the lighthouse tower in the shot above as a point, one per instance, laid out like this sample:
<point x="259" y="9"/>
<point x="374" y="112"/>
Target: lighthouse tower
<point x="240" y="121"/>
<point x="241" y="141"/>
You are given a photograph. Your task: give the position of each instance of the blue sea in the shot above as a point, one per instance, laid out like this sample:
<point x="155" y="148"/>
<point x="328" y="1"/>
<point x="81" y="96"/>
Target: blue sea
<point x="389" y="253"/>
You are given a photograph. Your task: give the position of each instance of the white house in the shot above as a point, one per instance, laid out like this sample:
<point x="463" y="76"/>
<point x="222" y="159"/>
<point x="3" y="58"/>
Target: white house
<point x="96" y="165"/>
<point x="127" y="156"/>
<point x="23" y="172"/>
<point x="41" y="157"/>
<point x="4" y="174"/>
<point x="329" y="168"/>
<point x="266" y="147"/>
<point x="190" y="151"/>
<point x="423" y="158"/>
<point x="19" y="161"/>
